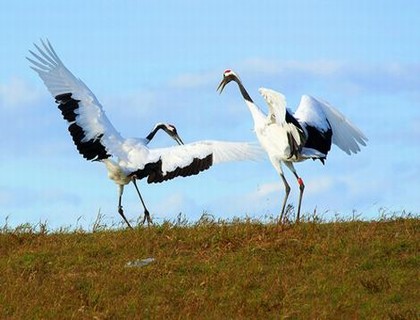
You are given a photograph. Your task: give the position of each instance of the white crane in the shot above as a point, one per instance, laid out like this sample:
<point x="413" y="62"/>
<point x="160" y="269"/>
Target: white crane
<point x="306" y="134"/>
<point x="125" y="159"/>
<point x="172" y="132"/>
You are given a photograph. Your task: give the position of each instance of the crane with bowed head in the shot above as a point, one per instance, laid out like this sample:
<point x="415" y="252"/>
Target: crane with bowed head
<point x="126" y="159"/>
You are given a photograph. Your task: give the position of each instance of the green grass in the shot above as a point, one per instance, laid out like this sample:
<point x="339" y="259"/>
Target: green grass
<point x="240" y="269"/>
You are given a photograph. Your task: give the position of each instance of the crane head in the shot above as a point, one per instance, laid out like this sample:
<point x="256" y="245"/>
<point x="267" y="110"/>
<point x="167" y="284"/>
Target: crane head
<point x="172" y="132"/>
<point x="228" y="76"/>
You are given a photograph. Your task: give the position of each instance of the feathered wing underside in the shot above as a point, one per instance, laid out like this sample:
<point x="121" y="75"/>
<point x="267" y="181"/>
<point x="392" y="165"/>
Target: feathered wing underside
<point x="92" y="132"/>
<point x="321" y="116"/>
<point x="190" y="159"/>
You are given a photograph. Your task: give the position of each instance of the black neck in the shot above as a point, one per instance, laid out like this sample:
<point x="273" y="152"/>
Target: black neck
<point x="153" y="132"/>
<point x="243" y="90"/>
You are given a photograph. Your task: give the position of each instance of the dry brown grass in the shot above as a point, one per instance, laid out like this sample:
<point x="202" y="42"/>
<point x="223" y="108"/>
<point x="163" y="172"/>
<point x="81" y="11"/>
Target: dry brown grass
<point x="214" y="270"/>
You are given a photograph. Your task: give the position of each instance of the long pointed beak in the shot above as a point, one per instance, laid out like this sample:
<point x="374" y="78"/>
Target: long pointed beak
<point x="178" y="139"/>
<point x="221" y="85"/>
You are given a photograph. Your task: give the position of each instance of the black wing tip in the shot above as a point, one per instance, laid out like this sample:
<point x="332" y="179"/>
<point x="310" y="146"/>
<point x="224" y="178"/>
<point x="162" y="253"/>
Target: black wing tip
<point x="64" y="97"/>
<point x="91" y="149"/>
<point x="150" y="169"/>
<point x="67" y="105"/>
<point x="195" y="167"/>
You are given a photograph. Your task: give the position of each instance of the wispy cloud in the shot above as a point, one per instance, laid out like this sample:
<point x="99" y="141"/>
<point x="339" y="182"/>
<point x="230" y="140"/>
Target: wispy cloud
<point x="28" y="115"/>
<point x="191" y="80"/>
<point x="183" y="99"/>
<point x="35" y="197"/>
<point x="360" y="78"/>
<point x="175" y="203"/>
<point x="17" y="93"/>
<point x="132" y="105"/>
<point x="272" y="67"/>
<point x="35" y="124"/>
<point x="349" y="77"/>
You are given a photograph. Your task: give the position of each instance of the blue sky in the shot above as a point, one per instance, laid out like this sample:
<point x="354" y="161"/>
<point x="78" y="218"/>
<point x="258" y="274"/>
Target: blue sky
<point x="161" y="61"/>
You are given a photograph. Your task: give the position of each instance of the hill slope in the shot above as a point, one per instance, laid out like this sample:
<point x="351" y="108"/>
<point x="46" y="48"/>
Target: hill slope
<point x="243" y="269"/>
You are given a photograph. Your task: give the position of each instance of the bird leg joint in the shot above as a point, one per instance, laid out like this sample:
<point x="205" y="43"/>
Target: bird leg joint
<point x="300" y="182"/>
<point x="147" y="217"/>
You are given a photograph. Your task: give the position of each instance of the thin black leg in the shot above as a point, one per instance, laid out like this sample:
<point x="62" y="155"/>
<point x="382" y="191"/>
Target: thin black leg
<point x="301" y="188"/>
<point x="287" y="191"/>
<point x="120" y="208"/>
<point x="146" y="212"/>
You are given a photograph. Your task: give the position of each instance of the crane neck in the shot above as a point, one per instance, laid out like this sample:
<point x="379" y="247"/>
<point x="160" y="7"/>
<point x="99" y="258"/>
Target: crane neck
<point x="152" y="133"/>
<point x="244" y="93"/>
<point x="256" y="112"/>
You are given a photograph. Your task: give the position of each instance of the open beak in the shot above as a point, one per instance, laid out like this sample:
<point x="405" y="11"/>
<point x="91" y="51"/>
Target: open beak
<point x="178" y="139"/>
<point x="222" y="85"/>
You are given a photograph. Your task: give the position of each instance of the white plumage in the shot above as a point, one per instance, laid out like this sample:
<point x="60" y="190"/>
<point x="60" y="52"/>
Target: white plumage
<point x="321" y="114"/>
<point x="306" y="134"/>
<point x="276" y="105"/>
<point x="126" y="159"/>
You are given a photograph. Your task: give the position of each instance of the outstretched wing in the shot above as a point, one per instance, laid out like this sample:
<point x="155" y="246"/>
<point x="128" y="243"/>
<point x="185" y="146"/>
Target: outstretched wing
<point x="92" y="132"/>
<point x="322" y="118"/>
<point x="190" y="159"/>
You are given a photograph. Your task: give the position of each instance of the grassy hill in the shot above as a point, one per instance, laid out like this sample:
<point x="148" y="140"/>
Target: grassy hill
<point x="214" y="270"/>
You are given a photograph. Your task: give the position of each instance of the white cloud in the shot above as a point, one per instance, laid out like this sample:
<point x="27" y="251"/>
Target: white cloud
<point x="347" y="77"/>
<point x="190" y="80"/>
<point x="272" y="67"/>
<point x="183" y="99"/>
<point x="17" y="93"/>
<point x="11" y="197"/>
<point x="268" y="188"/>
<point x="264" y="199"/>
<point x="199" y="113"/>
<point x="130" y="106"/>
<point x="319" y="186"/>
<point x="175" y="203"/>
<point x="268" y="196"/>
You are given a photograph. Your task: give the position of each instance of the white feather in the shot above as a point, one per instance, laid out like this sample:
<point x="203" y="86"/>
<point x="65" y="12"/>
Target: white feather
<point x="91" y="116"/>
<point x="135" y="155"/>
<point x="318" y="113"/>
<point x="182" y="156"/>
<point x="311" y="127"/>
<point x="276" y="104"/>
<point x="132" y="154"/>
<point x="276" y="120"/>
